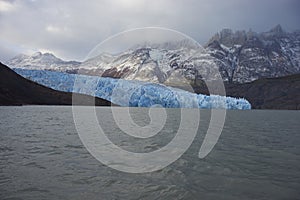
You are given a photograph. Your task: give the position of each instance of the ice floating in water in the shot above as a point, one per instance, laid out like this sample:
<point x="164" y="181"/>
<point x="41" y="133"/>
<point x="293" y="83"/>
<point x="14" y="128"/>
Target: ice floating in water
<point x="131" y="93"/>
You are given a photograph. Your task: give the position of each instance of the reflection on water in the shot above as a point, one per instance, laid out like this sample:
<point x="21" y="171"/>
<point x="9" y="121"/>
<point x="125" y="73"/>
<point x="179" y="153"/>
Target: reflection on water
<point x="42" y="157"/>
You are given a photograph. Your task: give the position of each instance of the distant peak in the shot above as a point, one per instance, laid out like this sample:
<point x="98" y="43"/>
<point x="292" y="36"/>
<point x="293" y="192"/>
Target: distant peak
<point x="37" y="54"/>
<point x="226" y="31"/>
<point x="48" y="54"/>
<point x="169" y="45"/>
<point x="277" y="29"/>
<point x="228" y="38"/>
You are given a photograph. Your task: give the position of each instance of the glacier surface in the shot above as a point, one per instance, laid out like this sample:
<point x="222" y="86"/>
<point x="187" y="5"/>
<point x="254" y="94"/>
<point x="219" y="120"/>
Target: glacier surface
<point x="131" y="93"/>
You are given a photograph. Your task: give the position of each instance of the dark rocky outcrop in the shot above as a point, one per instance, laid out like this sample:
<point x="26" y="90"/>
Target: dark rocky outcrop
<point x="269" y="93"/>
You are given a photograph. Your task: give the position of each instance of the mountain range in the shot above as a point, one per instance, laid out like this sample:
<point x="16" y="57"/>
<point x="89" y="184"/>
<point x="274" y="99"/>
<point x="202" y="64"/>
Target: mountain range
<point x="241" y="56"/>
<point x="40" y="60"/>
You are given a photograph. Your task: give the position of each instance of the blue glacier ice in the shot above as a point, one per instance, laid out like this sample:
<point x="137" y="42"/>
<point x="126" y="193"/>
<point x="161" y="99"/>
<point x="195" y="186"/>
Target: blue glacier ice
<point x="131" y="93"/>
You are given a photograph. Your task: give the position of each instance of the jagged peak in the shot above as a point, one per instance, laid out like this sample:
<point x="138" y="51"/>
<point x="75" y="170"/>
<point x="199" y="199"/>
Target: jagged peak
<point x="40" y="54"/>
<point x="213" y="43"/>
<point x="37" y="54"/>
<point x="277" y="29"/>
<point x="250" y="33"/>
<point x="169" y="45"/>
<point x="226" y="31"/>
<point x="228" y="37"/>
<point x="48" y="54"/>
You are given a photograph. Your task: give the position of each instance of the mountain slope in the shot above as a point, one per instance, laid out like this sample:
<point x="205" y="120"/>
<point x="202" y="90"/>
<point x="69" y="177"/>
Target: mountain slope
<point x="16" y="90"/>
<point x="270" y="93"/>
<point x="246" y="56"/>
<point x="154" y="63"/>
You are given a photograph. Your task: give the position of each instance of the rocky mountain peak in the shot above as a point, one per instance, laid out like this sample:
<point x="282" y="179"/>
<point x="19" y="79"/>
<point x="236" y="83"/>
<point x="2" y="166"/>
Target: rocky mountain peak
<point x="229" y="38"/>
<point x="37" y="54"/>
<point x="277" y="29"/>
<point x="246" y="56"/>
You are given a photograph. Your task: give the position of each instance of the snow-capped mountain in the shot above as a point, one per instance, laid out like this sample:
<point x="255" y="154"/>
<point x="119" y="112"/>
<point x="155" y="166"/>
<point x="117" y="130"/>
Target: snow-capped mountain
<point x="246" y="56"/>
<point x="40" y="60"/>
<point x="153" y="63"/>
<point x="240" y="57"/>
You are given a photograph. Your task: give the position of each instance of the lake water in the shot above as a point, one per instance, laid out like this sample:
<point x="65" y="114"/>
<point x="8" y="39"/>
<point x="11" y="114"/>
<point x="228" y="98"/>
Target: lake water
<point x="42" y="157"/>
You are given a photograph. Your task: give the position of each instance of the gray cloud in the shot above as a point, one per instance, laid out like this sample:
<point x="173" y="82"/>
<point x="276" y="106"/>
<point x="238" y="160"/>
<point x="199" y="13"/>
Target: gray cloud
<point x="70" y="29"/>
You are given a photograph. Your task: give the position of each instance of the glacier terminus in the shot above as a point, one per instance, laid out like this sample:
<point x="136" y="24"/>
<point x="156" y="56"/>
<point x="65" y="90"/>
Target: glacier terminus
<point x="131" y="93"/>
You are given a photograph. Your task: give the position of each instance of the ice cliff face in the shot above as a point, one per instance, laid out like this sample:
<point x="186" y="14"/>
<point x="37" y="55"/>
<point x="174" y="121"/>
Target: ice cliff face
<point x="131" y="93"/>
<point x="240" y="57"/>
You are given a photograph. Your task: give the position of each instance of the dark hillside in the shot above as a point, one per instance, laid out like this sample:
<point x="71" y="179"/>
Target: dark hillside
<point x="16" y="90"/>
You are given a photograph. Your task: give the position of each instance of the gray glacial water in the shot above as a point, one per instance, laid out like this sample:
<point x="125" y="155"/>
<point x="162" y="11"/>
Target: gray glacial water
<point x="42" y="157"/>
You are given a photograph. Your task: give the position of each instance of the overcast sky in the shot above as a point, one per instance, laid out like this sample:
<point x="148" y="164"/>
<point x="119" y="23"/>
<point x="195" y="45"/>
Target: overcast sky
<point x="71" y="28"/>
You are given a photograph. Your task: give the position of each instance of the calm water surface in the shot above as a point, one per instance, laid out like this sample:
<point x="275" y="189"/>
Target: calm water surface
<point x="42" y="157"/>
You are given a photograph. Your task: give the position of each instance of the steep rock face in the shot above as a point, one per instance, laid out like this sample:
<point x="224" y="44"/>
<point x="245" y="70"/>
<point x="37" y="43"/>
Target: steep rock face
<point x="247" y="56"/>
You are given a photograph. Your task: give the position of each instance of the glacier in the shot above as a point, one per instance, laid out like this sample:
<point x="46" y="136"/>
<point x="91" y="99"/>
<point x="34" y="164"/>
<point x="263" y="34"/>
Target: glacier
<point x="131" y="93"/>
